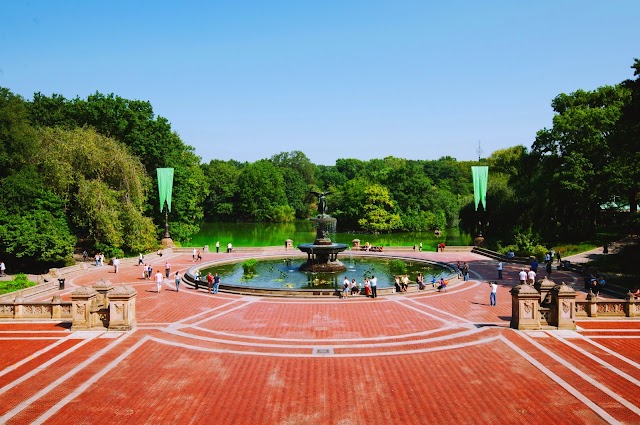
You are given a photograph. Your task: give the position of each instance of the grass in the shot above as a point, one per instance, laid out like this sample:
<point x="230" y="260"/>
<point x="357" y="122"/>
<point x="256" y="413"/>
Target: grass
<point x="19" y="281"/>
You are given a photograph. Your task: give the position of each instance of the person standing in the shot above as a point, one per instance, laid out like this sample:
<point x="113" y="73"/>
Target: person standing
<point x="2" y="268"/>
<point x="84" y="255"/>
<point x="374" y="287"/>
<point x="492" y="296"/>
<point x="217" y="246"/>
<point x="500" y="270"/>
<point x="167" y="269"/>
<point x="149" y="271"/>
<point x="116" y="264"/>
<point x="216" y="283"/>
<point x="178" y="277"/>
<point x="159" y="280"/>
<point x="465" y="272"/>
<point x="193" y="255"/>
<point x="197" y="279"/>
<point x="210" y="282"/>
<point x="229" y="247"/>
<point x="420" y="247"/>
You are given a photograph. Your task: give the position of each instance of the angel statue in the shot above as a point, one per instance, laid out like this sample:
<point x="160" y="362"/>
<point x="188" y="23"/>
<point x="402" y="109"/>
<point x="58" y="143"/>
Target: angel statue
<point x="322" y="201"/>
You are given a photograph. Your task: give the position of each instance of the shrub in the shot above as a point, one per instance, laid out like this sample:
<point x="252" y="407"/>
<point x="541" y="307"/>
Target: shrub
<point x="249" y="266"/>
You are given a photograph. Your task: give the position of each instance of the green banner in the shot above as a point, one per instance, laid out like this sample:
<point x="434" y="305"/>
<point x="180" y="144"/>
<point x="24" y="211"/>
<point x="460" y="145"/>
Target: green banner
<point x="165" y="186"/>
<point x="480" y="177"/>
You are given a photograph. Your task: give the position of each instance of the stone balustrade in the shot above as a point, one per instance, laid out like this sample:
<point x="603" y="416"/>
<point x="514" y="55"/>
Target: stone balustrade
<point x="19" y="309"/>
<point x="548" y="305"/>
<point x="101" y="307"/>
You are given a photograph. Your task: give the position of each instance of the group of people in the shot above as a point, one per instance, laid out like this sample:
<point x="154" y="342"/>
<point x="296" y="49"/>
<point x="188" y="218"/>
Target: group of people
<point x="196" y="255"/>
<point x="351" y="287"/>
<point x="463" y="270"/>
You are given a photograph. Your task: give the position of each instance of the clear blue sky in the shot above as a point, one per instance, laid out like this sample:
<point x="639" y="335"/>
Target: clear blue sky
<point x="334" y="79"/>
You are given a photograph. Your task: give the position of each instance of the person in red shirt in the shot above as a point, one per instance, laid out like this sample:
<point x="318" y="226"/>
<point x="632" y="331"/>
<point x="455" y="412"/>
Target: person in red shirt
<point x="210" y="282"/>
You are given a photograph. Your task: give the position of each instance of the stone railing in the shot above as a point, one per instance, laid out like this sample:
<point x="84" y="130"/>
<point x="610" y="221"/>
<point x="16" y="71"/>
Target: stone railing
<point x="101" y="307"/>
<point x="19" y="309"/>
<point x="592" y="307"/>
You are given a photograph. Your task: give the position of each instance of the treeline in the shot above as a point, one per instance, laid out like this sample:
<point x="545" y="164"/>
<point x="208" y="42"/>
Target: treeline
<point x="81" y="173"/>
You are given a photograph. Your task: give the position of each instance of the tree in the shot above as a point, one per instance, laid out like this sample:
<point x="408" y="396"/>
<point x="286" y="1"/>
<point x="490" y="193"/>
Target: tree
<point x="576" y="155"/>
<point x="222" y="178"/>
<point x="379" y="213"/>
<point x="625" y="143"/>
<point x="33" y="226"/>
<point x="261" y="194"/>
<point x="102" y="186"/>
<point x="148" y="137"/>
<point x="17" y="137"/>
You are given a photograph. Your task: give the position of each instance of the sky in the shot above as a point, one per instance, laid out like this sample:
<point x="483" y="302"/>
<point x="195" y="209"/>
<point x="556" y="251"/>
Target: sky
<point x="246" y="80"/>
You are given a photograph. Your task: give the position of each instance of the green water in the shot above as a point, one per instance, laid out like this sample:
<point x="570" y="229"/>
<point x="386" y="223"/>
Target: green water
<point x="270" y="234"/>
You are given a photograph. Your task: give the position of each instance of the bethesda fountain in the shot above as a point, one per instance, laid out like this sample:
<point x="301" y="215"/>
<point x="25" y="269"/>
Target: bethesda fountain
<point x="322" y="254"/>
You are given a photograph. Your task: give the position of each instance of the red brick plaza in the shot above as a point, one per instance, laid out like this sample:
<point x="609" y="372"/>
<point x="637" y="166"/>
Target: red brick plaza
<point x="402" y="359"/>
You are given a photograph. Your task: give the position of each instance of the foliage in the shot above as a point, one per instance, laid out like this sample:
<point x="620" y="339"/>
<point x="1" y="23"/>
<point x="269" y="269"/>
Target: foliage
<point x="32" y="220"/>
<point x="149" y="138"/>
<point x="261" y="191"/>
<point x="249" y="266"/>
<point x="19" y="281"/>
<point x="379" y="213"/>
<point x="222" y="178"/>
<point x="526" y="245"/>
<point x="397" y="267"/>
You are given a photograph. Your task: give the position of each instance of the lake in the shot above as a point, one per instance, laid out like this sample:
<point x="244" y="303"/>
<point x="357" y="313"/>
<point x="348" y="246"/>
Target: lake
<point x="302" y="231"/>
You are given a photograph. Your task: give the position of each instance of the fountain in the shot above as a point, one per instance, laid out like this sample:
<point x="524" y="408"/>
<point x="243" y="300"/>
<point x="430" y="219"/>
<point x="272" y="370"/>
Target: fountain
<point x="322" y="254"/>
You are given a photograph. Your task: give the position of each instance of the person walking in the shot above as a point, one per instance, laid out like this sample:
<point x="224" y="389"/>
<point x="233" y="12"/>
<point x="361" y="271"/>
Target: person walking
<point x="229" y="247"/>
<point x="492" y="295"/>
<point x="500" y="270"/>
<point x="2" y="268"/>
<point x="116" y="264"/>
<point x="374" y="287"/>
<point x="140" y="259"/>
<point x="84" y="255"/>
<point x="167" y="269"/>
<point x="465" y="272"/>
<point x="531" y="276"/>
<point x="216" y="283"/>
<point x="420" y="247"/>
<point x="217" y="246"/>
<point x="177" y="280"/>
<point x="159" y="278"/>
<point x="522" y="276"/>
<point x="193" y="255"/>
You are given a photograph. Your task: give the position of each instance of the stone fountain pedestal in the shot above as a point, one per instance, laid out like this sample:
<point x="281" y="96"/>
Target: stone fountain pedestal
<point x="322" y="254"/>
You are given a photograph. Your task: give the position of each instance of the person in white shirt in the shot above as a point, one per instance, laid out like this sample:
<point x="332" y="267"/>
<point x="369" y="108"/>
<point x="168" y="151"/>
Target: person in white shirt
<point x="159" y="278"/>
<point x="532" y="277"/>
<point x="374" y="287"/>
<point x="492" y="295"/>
<point x="523" y="276"/>
<point x="116" y="264"/>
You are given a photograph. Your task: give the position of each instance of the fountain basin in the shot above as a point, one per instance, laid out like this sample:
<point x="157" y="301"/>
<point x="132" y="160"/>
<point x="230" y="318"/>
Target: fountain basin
<point x="322" y="256"/>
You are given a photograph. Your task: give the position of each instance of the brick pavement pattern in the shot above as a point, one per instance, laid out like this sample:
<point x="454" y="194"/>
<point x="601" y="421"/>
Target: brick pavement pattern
<point x="412" y="358"/>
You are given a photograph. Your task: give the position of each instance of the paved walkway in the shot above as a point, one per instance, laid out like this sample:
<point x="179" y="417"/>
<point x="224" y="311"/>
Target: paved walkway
<point x="412" y="359"/>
